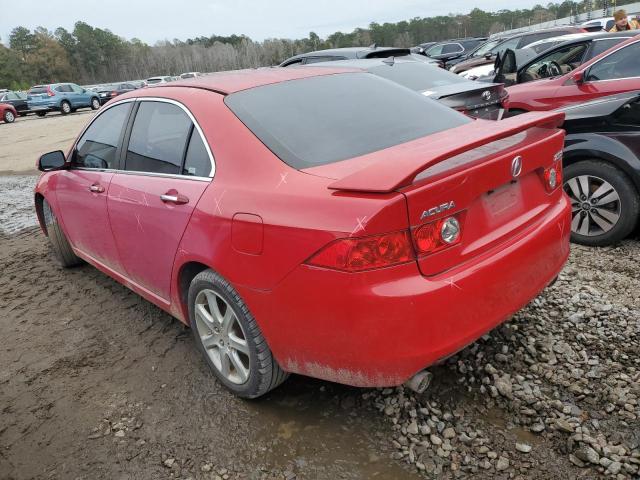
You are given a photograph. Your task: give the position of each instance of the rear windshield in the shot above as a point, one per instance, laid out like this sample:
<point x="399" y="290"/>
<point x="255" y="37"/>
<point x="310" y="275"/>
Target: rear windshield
<point x="38" y="90"/>
<point x="154" y="80"/>
<point x="417" y="76"/>
<point x="325" y="119"/>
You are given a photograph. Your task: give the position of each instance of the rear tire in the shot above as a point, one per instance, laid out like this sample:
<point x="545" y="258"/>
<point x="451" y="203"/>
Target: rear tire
<point x="41" y="114"/>
<point x="233" y="335"/>
<point x="605" y="204"/>
<point x="9" y="117"/>
<point x="57" y="239"/>
<point x="65" y="108"/>
<point x="95" y="103"/>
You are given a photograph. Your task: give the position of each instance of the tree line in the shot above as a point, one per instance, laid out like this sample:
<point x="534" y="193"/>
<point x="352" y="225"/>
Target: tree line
<point x="93" y="55"/>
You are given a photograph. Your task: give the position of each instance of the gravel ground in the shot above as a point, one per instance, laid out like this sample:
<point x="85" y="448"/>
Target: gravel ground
<point x="98" y="383"/>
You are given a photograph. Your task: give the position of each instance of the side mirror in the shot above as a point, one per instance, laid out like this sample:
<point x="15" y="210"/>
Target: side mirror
<point x="578" y="77"/>
<point x="488" y="56"/>
<point x="51" y="161"/>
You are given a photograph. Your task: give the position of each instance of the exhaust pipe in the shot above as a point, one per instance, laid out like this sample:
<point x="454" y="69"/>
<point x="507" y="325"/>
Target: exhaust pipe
<point x="420" y="381"/>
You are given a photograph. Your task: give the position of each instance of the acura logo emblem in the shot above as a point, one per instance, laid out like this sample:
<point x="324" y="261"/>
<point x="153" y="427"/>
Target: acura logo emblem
<point x="486" y="95"/>
<point x="516" y="166"/>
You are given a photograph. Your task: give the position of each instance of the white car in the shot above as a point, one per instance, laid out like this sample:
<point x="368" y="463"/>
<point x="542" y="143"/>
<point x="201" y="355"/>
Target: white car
<point x="158" y="80"/>
<point x="190" y="75"/>
<point x="605" y="23"/>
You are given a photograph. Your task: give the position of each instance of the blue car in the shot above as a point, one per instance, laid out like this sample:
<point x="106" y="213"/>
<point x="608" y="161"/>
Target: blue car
<point x="62" y="97"/>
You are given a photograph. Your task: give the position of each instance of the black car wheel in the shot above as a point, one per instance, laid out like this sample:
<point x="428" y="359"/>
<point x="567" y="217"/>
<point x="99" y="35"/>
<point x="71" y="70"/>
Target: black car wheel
<point x="65" y="108"/>
<point x="604" y="203"/>
<point x="95" y="103"/>
<point x="41" y="114"/>
<point x="9" y="117"/>
<point x="229" y="338"/>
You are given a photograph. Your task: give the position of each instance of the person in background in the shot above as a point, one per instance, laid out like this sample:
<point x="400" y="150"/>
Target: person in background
<point x="623" y="23"/>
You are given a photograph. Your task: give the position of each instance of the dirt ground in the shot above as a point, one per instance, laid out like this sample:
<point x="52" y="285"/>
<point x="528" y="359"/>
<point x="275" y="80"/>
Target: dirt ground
<point x="22" y="142"/>
<point x="97" y="383"/>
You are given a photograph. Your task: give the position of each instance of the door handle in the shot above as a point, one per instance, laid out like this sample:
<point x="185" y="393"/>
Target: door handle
<point x="171" y="197"/>
<point x="96" y="188"/>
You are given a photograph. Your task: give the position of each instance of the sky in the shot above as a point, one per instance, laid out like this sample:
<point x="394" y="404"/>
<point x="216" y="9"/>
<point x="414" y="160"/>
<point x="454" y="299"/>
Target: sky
<point x="154" y="20"/>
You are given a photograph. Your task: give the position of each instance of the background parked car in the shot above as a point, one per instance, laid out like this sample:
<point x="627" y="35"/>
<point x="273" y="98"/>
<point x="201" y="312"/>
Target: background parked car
<point x="351" y="53"/>
<point x="616" y="70"/>
<point x="453" y="51"/>
<point x="107" y="92"/>
<point x="605" y="24"/>
<point x="472" y="98"/>
<point x="485" y="55"/>
<point x="190" y="75"/>
<point x="158" y="80"/>
<point x="602" y="168"/>
<point x="17" y="99"/>
<point x="8" y="113"/>
<point x="62" y="97"/>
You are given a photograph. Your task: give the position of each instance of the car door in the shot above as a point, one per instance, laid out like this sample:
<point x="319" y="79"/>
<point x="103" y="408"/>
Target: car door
<point x="167" y="168"/>
<point x="66" y="92"/>
<point x="80" y="96"/>
<point x="81" y="190"/>
<point x="617" y="72"/>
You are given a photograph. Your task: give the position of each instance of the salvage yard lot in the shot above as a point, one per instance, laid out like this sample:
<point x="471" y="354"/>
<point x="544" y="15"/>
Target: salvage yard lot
<point x="98" y="383"/>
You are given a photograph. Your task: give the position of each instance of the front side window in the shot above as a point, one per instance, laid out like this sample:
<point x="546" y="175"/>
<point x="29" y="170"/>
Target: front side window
<point x="98" y="146"/>
<point x="158" y="139"/>
<point x="64" y="89"/>
<point x="502" y="47"/>
<point x="600" y="46"/>
<point x="556" y="63"/>
<point x="76" y="88"/>
<point x="452" y="48"/>
<point x="620" y="64"/>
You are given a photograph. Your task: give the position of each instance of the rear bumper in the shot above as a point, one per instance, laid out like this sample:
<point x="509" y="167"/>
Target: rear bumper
<point x="43" y="106"/>
<point x="378" y="328"/>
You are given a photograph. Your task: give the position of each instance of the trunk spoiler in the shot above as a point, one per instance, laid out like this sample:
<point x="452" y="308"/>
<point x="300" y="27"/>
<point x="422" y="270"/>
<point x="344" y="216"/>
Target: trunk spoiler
<point x="415" y="156"/>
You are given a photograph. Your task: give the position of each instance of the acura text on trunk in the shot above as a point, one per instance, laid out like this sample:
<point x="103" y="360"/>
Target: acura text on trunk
<point x="314" y="221"/>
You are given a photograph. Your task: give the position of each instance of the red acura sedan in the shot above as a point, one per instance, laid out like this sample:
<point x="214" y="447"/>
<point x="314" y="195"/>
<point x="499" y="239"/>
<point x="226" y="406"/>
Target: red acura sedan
<point x="315" y="221"/>
<point x="615" y="71"/>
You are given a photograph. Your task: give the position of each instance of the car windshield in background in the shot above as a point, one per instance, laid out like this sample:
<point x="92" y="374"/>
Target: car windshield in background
<point x="321" y="120"/>
<point x="416" y="76"/>
<point x="486" y="47"/>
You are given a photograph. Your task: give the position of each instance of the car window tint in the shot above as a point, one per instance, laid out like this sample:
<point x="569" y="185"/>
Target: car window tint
<point x="12" y="96"/>
<point x="325" y="119"/>
<point x="98" y="145"/>
<point x="555" y="63"/>
<point x="600" y="46"/>
<point x="620" y="64"/>
<point x="76" y="88"/>
<point x="197" y="162"/>
<point x="501" y="47"/>
<point x="452" y="48"/>
<point x="158" y="138"/>
<point x="417" y="75"/>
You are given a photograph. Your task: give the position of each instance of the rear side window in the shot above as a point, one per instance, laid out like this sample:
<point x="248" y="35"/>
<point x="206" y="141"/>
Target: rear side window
<point x="64" y="88"/>
<point x="325" y="119"/>
<point x="158" y="138"/>
<point x="98" y="145"/>
<point x="197" y="162"/>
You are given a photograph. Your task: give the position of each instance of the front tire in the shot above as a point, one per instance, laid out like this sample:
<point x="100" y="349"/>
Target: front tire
<point x="95" y="103"/>
<point x="9" y="117"/>
<point x="604" y="203"/>
<point x="229" y="338"/>
<point x="57" y="239"/>
<point x="65" y="108"/>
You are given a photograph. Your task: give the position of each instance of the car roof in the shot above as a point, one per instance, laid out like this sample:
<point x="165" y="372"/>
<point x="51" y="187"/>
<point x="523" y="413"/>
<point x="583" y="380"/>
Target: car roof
<point x="588" y="36"/>
<point x="366" y="63"/>
<point x="237" y="80"/>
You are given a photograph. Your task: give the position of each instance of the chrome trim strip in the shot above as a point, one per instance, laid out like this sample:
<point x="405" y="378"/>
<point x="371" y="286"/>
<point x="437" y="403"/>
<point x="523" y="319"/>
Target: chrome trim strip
<point x="152" y="174"/>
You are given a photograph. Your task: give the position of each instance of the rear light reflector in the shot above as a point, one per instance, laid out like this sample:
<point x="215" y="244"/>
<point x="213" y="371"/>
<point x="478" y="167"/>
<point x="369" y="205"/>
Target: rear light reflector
<point x="438" y="235"/>
<point x="553" y="174"/>
<point x="114" y="93"/>
<point x="50" y="92"/>
<point x="366" y="253"/>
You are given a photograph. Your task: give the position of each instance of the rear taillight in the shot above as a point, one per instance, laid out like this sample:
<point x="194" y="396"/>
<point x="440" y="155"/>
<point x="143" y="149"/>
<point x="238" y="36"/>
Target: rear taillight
<point x="50" y="92"/>
<point x="435" y="236"/>
<point x="114" y="93"/>
<point x="553" y="175"/>
<point x="366" y="253"/>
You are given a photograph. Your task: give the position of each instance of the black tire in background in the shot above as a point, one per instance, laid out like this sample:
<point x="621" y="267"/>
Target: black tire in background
<point x="57" y="239"/>
<point x="593" y="173"/>
<point x="264" y="372"/>
<point x="41" y="114"/>
<point x="65" y="107"/>
<point x="9" y="117"/>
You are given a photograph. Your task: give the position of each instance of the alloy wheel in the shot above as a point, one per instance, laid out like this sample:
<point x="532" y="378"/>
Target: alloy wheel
<point x="66" y="108"/>
<point x="222" y="336"/>
<point x="9" y="117"/>
<point x="595" y="205"/>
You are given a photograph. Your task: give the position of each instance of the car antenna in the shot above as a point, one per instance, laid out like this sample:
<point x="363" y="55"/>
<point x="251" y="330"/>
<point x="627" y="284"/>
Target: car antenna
<point x="390" y="61"/>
